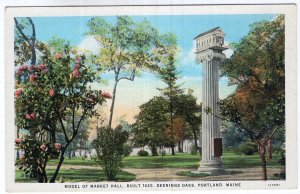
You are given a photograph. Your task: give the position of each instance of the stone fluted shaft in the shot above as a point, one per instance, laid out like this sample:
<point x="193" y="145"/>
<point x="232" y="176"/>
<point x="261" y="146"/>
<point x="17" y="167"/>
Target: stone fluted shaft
<point x="211" y="60"/>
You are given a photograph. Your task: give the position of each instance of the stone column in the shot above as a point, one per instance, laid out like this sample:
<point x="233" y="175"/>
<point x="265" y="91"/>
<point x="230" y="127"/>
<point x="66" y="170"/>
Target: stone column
<point x="211" y="60"/>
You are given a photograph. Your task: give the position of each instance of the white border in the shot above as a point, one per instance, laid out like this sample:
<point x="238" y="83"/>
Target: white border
<point x="290" y="42"/>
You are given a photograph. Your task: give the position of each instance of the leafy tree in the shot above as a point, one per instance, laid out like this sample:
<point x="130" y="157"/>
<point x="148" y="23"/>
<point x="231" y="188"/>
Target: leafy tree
<point x="127" y="48"/>
<point x="257" y="68"/>
<point x="35" y="157"/>
<point x="149" y="126"/>
<point x="109" y="145"/>
<point x="174" y="131"/>
<point x="81" y="139"/>
<point x="50" y="92"/>
<point x="232" y="137"/>
<point x="169" y="75"/>
<point x="25" y="44"/>
<point x="186" y="106"/>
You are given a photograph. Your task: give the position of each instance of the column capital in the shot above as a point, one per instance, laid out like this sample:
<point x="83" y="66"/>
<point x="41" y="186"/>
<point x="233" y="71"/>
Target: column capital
<point x="209" y="55"/>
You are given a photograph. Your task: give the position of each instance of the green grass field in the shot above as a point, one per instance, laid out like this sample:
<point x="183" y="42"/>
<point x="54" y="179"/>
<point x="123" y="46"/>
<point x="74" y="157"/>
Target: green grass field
<point x="80" y="175"/>
<point x="89" y="171"/>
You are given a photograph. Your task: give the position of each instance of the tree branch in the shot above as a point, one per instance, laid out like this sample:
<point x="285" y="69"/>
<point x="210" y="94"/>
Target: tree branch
<point x="62" y="126"/>
<point x="33" y="30"/>
<point x="73" y="119"/>
<point x="131" y="77"/>
<point x="21" y="32"/>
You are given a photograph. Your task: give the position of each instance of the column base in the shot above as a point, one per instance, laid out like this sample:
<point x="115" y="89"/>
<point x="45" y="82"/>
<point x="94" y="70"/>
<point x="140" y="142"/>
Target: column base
<point x="211" y="167"/>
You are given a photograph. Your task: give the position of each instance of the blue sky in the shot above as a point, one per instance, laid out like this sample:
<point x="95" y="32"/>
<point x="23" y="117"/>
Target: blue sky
<point x="184" y="27"/>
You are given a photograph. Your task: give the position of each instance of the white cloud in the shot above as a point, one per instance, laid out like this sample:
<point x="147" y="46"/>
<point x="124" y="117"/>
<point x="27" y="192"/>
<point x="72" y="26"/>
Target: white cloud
<point x="188" y="57"/>
<point x="89" y="44"/>
<point x="228" y="52"/>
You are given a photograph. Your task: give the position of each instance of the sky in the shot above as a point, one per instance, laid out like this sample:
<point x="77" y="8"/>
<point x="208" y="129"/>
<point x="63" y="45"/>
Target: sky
<point x="132" y="94"/>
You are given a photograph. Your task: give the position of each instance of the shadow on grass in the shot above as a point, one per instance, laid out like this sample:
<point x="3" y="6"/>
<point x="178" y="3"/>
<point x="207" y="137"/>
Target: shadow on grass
<point x="233" y="160"/>
<point x="190" y="174"/>
<point x="168" y="161"/>
<point x="74" y="162"/>
<point x="80" y="175"/>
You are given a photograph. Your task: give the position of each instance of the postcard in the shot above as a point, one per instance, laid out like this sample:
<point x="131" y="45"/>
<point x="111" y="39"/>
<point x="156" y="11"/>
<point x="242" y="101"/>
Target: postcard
<point x="151" y="98"/>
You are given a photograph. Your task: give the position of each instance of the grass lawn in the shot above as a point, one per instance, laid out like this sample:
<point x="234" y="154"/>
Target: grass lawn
<point x="233" y="160"/>
<point x="190" y="174"/>
<point x="89" y="171"/>
<point x="178" y="161"/>
<point x="79" y="175"/>
<point x="74" y="161"/>
<point x="183" y="160"/>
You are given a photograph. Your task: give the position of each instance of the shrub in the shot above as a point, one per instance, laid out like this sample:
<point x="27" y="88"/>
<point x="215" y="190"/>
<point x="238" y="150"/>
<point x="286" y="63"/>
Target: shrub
<point x="109" y="145"/>
<point x="94" y="158"/>
<point x="194" y="150"/>
<point x="127" y="150"/>
<point x="35" y="156"/>
<point x="248" y="148"/>
<point x="143" y="153"/>
<point x="281" y="161"/>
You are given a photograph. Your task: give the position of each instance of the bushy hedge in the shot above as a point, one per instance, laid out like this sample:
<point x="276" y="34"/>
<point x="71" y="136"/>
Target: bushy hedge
<point x="142" y="153"/>
<point x="109" y="145"/>
<point x="127" y="150"/>
<point x="248" y="148"/>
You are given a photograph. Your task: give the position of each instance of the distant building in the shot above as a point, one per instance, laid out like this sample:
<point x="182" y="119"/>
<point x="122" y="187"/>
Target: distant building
<point x="211" y="39"/>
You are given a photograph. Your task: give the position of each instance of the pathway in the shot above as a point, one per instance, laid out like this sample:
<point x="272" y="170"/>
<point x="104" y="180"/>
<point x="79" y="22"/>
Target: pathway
<point x="170" y="174"/>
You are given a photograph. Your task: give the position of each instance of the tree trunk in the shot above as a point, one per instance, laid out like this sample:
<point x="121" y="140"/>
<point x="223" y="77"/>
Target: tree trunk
<point x="113" y="102"/>
<point x="70" y="154"/>
<point x="73" y="152"/>
<point x="173" y="150"/>
<point x="44" y="174"/>
<point x="180" y="147"/>
<point x="154" y="151"/>
<point x="269" y="149"/>
<point x="262" y="154"/>
<point x="18" y="136"/>
<point x="61" y="159"/>
<point x="196" y="140"/>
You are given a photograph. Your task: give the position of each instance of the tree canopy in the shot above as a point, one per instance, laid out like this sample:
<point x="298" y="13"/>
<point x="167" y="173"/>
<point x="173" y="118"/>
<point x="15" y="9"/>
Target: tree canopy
<point x="257" y="107"/>
<point x="127" y="48"/>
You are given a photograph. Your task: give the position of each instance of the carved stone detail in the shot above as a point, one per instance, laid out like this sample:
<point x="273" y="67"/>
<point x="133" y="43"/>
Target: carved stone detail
<point x="209" y="55"/>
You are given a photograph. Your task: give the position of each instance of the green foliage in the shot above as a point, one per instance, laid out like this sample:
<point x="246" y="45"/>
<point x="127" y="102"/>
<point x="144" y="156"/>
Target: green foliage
<point x="148" y="129"/>
<point x="281" y="160"/>
<point x="127" y="49"/>
<point x="194" y="149"/>
<point x="55" y="92"/>
<point x="257" y="67"/>
<point x="36" y="155"/>
<point x="142" y="153"/>
<point x="109" y="145"/>
<point x="232" y="137"/>
<point x="248" y="148"/>
<point x="127" y="150"/>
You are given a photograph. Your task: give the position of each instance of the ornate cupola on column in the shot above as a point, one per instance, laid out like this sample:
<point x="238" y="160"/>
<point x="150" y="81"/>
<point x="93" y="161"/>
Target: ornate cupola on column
<point x="209" y="47"/>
